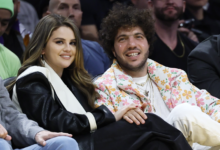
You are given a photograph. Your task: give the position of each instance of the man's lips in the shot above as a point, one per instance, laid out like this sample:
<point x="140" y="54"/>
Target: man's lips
<point x="132" y="54"/>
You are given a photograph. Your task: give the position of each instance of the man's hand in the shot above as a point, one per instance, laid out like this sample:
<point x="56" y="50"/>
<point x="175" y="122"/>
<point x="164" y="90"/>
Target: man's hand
<point x="191" y="35"/>
<point x="4" y="133"/>
<point x="120" y="113"/>
<point x="42" y="136"/>
<point x="136" y="115"/>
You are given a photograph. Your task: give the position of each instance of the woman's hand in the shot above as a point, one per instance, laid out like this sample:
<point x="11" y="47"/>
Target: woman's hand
<point x="120" y="113"/>
<point x="136" y="115"/>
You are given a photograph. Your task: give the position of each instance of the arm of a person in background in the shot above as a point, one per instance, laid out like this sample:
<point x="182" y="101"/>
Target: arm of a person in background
<point x="90" y="32"/>
<point x="24" y="131"/>
<point x="36" y="101"/>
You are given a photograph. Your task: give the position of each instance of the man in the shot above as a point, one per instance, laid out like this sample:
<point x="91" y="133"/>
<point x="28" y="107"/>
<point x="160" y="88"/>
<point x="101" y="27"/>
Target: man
<point x="171" y="48"/>
<point x="205" y="24"/>
<point x="204" y="65"/>
<point x="9" y="62"/>
<point x="96" y="61"/>
<point x="133" y="78"/>
<point x="23" y="132"/>
<point x="15" y="34"/>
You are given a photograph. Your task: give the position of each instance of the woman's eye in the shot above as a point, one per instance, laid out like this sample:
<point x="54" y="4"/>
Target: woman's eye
<point x="59" y="42"/>
<point x="72" y="43"/>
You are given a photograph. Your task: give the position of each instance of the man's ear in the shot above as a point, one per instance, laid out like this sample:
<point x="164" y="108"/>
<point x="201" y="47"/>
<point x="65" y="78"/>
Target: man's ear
<point x="19" y="3"/>
<point x="113" y="51"/>
<point x="150" y="4"/>
<point x="184" y="6"/>
<point x="134" y="2"/>
<point x="46" y="13"/>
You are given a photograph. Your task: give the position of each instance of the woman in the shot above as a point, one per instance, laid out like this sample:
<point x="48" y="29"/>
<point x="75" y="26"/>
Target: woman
<point x="54" y="89"/>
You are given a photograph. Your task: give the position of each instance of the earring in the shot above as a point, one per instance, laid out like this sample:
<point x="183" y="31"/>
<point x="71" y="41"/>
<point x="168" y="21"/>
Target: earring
<point x="42" y="57"/>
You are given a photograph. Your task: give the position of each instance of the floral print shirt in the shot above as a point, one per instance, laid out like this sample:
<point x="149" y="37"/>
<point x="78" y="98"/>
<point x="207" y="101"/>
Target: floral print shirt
<point x="117" y="89"/>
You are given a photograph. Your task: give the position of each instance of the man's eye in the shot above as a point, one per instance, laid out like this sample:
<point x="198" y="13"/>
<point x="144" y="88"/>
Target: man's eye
<point x="139" y="37"/>
<point x="4" y="23"/>
<point x="121" y="39"/>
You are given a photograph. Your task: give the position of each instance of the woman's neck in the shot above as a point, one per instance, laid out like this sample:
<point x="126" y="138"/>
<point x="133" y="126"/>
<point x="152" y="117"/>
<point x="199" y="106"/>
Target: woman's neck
<point x="59" y="71"/>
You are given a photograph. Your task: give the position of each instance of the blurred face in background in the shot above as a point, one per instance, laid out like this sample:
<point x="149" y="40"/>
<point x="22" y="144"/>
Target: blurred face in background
<point x="67" y="8"/>
<point x="168" y="10"/>
<point x="141" y="4"/>
<point x="196" y="3"/>
<point x="16" y="11"/>
<point x="5" y="16"/>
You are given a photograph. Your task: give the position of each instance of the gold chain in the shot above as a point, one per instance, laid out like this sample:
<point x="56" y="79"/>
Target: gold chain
<point x="142" y="84"/>
<point x="182" y="46"/>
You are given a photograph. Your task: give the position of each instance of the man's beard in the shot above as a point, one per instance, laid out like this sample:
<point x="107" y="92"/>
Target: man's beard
<point x="126" y="66"/>
<point x="159" y="13"/>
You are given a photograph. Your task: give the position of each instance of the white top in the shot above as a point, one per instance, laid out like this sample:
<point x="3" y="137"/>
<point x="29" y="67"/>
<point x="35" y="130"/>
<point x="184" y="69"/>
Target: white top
<point x="154" y="96"/>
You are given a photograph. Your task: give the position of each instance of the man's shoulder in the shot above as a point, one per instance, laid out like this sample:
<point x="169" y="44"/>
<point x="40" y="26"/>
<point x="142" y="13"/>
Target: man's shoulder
<point x="107" y="75"/>
<point x="209" y="47"/>
<point x="8" y="55"/>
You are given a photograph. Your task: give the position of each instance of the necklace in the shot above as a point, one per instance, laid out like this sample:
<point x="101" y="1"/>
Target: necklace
<point x="143" y="89"/>
<point x="180" y="56"/>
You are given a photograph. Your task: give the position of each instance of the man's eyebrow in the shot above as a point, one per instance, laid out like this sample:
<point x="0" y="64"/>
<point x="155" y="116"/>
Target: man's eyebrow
<point x="122" y="35"/>
<point x="139" y="34"/>
<point x="63" y="4"/>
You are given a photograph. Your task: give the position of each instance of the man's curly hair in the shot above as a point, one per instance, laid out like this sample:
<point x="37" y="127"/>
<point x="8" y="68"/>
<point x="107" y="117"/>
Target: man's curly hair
<point x="123" y="17"/>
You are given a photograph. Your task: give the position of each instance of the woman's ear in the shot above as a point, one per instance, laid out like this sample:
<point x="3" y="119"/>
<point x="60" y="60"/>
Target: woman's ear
<point x="43" y="52"/>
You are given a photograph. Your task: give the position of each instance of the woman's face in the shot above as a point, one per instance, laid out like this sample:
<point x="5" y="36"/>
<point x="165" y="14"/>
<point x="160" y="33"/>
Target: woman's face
<point x="60" y="50"/>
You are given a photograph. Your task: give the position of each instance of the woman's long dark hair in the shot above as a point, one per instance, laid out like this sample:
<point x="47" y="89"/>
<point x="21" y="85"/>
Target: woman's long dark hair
<point x="77" y="72"/>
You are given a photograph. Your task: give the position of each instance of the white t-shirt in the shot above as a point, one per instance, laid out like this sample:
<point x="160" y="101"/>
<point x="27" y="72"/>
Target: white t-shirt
<point x="156" y="100"/>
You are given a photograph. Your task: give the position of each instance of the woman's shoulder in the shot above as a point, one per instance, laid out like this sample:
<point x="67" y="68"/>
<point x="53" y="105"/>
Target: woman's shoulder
<point x="34" y="71"/>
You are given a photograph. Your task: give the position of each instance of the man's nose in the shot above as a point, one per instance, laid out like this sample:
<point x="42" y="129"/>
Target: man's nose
<point x="71" y="12"/>
<point x="131" y="42"/>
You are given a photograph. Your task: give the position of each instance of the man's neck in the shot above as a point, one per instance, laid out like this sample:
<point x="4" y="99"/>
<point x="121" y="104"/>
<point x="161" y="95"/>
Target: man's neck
<point x="137" y="73"/>
<point x="167" y="32"/>
<point x="198" y="13"/>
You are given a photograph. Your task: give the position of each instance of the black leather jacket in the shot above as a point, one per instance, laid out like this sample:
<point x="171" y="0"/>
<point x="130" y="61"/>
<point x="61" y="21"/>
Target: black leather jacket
<point x="35" y="98"/>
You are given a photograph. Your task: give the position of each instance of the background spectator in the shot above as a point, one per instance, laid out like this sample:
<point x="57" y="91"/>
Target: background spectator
<point x="205" y="24"/>
<point x="204" y="65"/>
<point x="9" y="62"/>
<point x="27" y="16"/>
<point x="171" y="48"/>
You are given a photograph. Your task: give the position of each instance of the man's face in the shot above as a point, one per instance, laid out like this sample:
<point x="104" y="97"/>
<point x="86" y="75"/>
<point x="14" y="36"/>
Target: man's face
<point x="5" y="16"/>
<point x="141" y="4"/>
<point x="68" y="8"/>
<point x="131" y="48"/>
<point x="196" y="3"/>
<point x="168" y="10"/>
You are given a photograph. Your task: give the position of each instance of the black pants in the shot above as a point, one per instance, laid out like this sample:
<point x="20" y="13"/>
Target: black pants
<point x="155" y="134"/>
